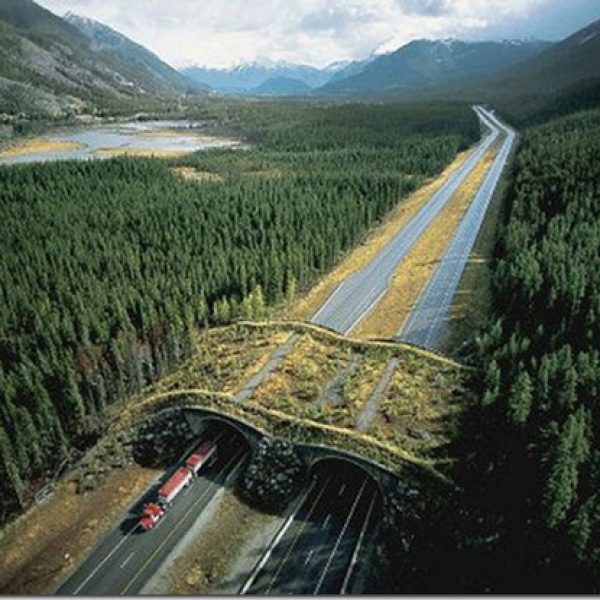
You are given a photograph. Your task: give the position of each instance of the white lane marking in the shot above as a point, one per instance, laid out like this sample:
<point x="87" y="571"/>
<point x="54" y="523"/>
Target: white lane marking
<point x="308" y="557"/>
<point x="341" y="492"/>
<point x="103" y="561"/>
<point x="127" y="559"/>
<point x="177" y="525"/>
<point x="327" y="519"/>
<point x="369" y="308"/>
<point x="327" y="302"/>
<point x="358" y="545"/>
<point x="234" y="470"/>
<point x="276" y="541"/>
<point x="414" y="230"/>
<point x="339" y="539"/>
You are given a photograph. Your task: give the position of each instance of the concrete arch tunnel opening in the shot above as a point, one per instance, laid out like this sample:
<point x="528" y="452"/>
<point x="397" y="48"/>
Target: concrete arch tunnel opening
<point x="225" y="432"/>
<point x="327" y="542"/>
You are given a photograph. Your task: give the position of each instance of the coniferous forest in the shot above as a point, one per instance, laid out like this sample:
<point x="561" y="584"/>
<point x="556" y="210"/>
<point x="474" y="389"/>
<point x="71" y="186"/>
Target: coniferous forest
<point x="524" y="514"/>
<point x="108" y="266"/>
<point x="531" y="464"/>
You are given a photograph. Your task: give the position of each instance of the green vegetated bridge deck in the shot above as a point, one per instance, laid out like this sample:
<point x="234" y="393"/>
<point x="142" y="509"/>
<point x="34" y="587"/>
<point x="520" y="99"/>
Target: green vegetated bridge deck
<point x="326" y="390"/>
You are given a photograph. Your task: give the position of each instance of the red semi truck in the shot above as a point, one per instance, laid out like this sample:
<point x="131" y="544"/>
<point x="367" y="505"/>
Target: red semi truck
<point x="204" y="454"/>
<point x="151" y="515"/>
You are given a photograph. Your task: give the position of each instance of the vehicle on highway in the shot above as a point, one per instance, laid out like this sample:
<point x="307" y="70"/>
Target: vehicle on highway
<point x="152" y="514"/>
<point x="204" y="454"/>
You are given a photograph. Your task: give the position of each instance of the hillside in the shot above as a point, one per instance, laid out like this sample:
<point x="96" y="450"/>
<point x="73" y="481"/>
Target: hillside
<point x="282" y="86"/>
<point x="529" y="469"/>
<point x="564" y="78"/>
<point x="105" y="39"/>
<point x="423" y="64"/>
<point x="49" y="67"/>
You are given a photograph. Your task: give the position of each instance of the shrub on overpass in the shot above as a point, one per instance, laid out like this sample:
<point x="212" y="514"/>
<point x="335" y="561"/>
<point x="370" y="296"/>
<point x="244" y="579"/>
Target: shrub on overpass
<point x="274" y="475"/>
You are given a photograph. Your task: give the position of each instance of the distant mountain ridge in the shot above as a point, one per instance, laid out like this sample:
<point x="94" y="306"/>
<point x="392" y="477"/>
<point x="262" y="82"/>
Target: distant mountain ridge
<point x="418" y="65"/>
<point x="574" y="60"/>
<point x="562" y="79"/>
<point x="423" y="64"/>
<point x="246" y="78"/>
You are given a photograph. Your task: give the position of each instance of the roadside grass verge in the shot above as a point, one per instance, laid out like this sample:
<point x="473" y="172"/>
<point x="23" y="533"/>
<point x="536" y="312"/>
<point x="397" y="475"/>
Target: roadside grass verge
<point x="418" y="266"/>
<point x="307" y="304"/>
<point x="34" y="546"/>
<point x="210" y="558"/>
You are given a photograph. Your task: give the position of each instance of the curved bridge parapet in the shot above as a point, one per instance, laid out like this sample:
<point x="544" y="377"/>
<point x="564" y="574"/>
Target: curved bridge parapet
<point x="310" y="453"/>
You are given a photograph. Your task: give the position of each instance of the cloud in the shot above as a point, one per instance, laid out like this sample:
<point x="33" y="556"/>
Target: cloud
<point x="317" y="32"/>
<point x="433" y="8"/>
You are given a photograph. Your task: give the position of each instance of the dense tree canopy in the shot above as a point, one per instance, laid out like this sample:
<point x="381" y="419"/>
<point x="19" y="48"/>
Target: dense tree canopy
<point x="535" y="434"/>
<point x="108" y="266"/>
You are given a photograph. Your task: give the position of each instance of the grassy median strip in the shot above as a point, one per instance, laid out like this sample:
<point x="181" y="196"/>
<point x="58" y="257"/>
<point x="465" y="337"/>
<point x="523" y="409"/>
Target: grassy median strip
<point x="420" y="263"/>
<point x="210" y="558"/>
<point x="472" y="303"/>
<point x="306" y="305"/>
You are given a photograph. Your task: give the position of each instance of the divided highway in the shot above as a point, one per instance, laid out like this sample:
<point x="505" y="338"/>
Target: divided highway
<point x="426" y="321"/>
<point x="126" y="558"/>
<point x="324" y="541"/>
<point x="320" y="545"/>
<point x="359" y="293"/>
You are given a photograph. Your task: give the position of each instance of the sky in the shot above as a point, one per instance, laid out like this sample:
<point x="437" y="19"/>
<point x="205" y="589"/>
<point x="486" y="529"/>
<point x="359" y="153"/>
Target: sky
<point x="222" y="33"/>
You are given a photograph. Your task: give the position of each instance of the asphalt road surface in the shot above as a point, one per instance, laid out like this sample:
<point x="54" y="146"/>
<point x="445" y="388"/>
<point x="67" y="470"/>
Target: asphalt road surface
<point x="321" y="544"/>
<point x="426" y="322"/>
<point x="127" y="557"/>
<point x="360" y="292"/>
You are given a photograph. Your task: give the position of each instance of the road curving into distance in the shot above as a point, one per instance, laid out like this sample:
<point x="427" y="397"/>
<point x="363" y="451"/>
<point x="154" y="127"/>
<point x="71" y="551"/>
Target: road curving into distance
<point x="426" y="322"/>
<point x="126" y="558"/>
<point x="360" y="292"/>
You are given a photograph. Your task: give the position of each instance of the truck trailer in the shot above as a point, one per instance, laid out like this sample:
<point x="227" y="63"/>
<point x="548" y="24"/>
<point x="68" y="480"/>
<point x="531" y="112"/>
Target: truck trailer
<point x="177" y="482"/>
<point x="204" y="454"/>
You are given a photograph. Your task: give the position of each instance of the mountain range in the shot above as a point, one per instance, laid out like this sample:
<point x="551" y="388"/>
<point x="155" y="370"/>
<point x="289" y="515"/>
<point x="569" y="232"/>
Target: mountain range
<point x="57" y="66"/>
<point x="246" y="78"/>
<point x="416" y="67"/>
<point x="423" y="64"/>
<point x="565" y="77"/>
